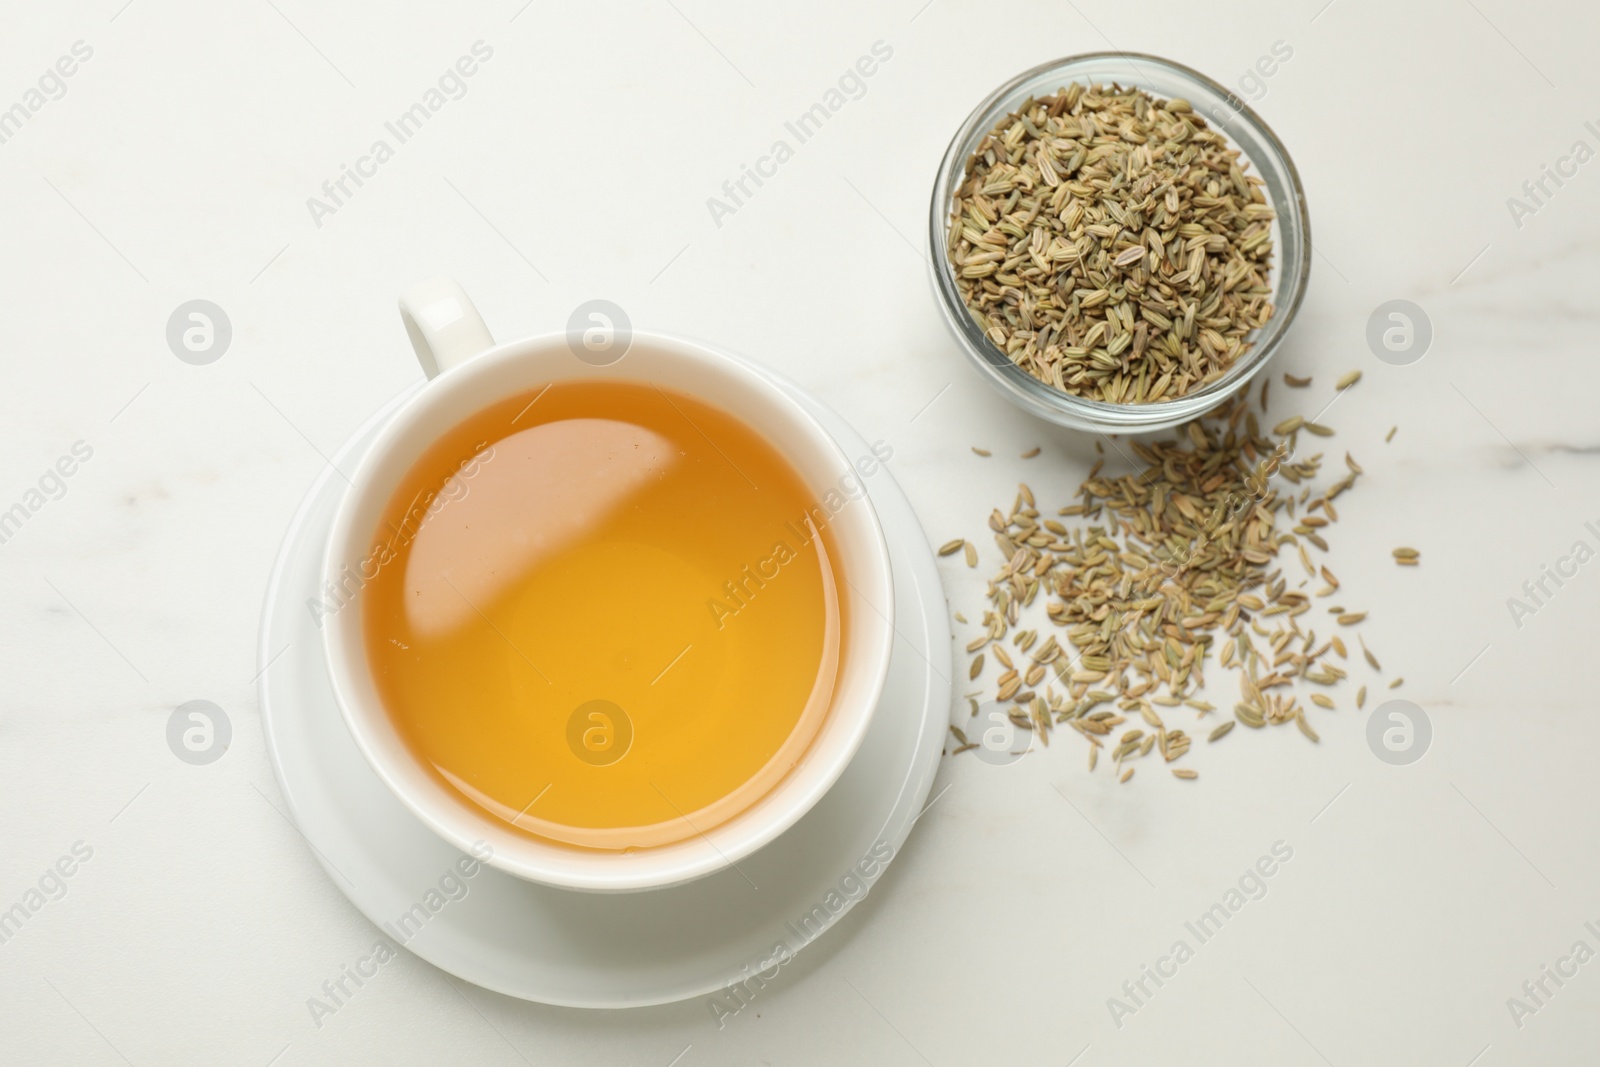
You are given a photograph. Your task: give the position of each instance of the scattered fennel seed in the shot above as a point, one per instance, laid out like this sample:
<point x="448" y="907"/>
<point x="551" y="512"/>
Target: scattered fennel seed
<point x="1162" y="565"/>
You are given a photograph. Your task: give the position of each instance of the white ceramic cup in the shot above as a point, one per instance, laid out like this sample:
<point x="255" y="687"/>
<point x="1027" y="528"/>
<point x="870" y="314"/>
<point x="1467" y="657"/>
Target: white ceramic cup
<point x="469" y="372"/>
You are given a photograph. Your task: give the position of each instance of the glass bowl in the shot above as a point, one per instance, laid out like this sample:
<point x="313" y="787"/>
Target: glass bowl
<point x="1244" y="130"/>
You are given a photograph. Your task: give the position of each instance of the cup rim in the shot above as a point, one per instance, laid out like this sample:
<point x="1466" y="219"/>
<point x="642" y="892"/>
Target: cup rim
<point x="870" y="642"/>
<point x="1034" y="396"/>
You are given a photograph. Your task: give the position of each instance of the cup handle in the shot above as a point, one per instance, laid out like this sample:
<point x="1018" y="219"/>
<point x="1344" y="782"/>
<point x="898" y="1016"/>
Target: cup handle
<point x="444" y="327"/>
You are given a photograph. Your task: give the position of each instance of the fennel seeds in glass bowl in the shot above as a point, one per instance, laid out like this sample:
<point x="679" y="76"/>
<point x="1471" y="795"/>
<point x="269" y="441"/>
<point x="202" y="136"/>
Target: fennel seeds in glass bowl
<point x="1141" y="264"/>
<point x="1110" y="259"/>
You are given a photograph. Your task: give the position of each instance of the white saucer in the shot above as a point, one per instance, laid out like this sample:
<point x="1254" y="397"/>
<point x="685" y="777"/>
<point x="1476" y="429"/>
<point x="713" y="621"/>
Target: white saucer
<point x="590" y="950"/>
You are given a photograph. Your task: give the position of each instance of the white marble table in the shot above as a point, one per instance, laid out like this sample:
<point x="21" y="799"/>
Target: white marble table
<point x="176" y="163"/>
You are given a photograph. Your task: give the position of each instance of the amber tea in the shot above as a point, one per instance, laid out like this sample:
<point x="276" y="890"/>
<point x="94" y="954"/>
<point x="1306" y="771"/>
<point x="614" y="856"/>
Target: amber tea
<point x="607" y="614"/>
